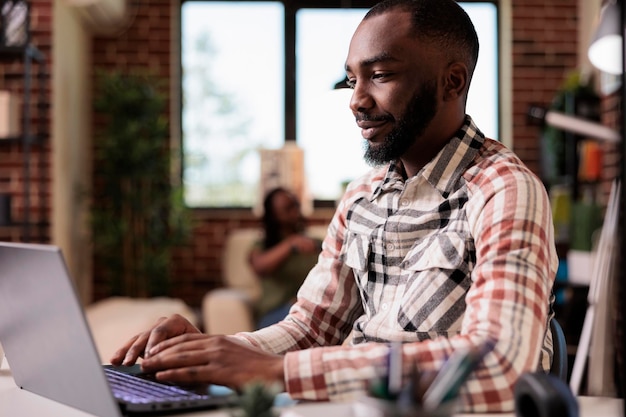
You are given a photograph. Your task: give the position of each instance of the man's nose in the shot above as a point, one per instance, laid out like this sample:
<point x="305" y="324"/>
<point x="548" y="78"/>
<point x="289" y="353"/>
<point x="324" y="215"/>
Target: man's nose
<point x="361" y="99"/>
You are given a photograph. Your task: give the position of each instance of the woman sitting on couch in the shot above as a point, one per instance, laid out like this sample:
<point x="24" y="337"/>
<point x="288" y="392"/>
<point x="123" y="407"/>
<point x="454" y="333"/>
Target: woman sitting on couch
<point x="283" y="258"/>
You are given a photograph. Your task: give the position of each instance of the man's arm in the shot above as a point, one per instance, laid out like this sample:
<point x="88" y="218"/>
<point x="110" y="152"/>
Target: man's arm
<point x="224" y="360"/>
<point x="175" y="351"/>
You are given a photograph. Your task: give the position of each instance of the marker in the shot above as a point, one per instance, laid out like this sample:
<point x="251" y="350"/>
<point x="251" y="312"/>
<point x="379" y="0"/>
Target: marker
<point x="394" y="375"/>
<point x="452" y="376"/>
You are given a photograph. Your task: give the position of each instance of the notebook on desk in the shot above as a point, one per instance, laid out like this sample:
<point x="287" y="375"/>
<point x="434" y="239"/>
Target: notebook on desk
<point x="50" y="349"/>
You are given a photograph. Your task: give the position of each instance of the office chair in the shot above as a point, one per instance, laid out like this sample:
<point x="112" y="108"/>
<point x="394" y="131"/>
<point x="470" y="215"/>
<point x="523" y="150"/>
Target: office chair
<point x="559" y="358"/>
<point x="546" y="394"/>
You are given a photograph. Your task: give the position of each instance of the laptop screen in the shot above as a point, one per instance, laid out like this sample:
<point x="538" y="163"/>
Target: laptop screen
<point x="44" y="333"/>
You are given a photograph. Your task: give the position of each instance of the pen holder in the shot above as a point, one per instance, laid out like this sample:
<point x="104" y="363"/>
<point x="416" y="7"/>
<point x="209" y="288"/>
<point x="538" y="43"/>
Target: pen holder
<point x="375" y="407"/>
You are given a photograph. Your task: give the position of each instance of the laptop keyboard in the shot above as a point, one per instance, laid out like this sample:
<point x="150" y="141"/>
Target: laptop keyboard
<point x="134" y="389"/>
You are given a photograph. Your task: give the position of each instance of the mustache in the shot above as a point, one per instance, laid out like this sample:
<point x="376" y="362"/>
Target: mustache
<point x="364" y="117"/>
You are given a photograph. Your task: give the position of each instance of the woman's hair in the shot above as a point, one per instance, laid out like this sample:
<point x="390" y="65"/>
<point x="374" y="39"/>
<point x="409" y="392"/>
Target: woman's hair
<point x="271" y="225"/>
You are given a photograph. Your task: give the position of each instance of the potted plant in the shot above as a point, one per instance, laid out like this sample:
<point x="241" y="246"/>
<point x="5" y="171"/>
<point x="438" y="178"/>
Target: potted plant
<point x="137" y="213"/>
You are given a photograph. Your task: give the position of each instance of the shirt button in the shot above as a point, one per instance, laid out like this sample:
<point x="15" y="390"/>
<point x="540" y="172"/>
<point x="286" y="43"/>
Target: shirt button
<point x="390" y="246"/>
<point x="385" y="306"/>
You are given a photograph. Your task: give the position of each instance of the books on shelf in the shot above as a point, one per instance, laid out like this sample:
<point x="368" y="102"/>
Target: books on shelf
<point x="9" y="114"/>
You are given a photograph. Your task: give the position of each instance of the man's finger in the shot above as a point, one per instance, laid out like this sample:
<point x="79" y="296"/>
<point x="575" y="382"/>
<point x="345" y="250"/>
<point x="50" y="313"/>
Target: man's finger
<point x="136" y="350"/>
<point x="178" y="343"/>
<point x="175" y="359"/>
<point x="119" y="355"/>
<point x="187" y="375"/>
<point x="158" y="333"/>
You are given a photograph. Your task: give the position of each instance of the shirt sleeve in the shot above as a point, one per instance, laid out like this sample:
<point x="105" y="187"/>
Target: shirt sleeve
<point x="506" y="305"/>
<point x="509" y="300"/>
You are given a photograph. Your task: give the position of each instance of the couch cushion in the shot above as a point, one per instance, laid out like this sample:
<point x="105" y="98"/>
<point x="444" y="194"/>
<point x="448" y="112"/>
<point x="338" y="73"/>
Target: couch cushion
<point x="235" y="267"/>
<point x="115" y="320"/>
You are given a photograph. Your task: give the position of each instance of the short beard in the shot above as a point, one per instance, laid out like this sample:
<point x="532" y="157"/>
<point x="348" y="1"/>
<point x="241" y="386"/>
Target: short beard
<point x="419" y="113"/>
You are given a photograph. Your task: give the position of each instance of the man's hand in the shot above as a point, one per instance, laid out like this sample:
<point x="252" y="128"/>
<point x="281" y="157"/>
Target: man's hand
<point x="197" y="358"/>
<point x="141" y="344"/>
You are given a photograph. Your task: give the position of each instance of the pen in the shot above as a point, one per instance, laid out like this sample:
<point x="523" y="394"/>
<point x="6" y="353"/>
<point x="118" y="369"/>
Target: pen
<point x="394" y="374"/>
<point x="452" y="376"/>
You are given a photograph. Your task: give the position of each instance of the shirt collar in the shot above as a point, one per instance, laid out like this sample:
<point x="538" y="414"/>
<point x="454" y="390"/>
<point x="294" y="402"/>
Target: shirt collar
<point x="446" y="167"/>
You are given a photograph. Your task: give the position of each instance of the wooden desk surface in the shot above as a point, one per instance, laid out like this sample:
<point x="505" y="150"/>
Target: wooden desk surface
<point x="16" y="402"/>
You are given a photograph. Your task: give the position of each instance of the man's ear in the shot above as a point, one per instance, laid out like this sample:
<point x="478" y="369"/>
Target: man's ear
<point x="456" y="81"/>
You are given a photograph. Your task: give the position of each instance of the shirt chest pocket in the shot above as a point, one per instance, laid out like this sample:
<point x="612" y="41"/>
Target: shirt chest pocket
<point x="441" y="251"/>
<point x="437" y="280"/>
<point x="356" y="255"/>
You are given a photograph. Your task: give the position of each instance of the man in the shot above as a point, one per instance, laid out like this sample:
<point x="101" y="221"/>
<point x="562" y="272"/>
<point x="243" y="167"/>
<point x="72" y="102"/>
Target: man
<point x="447" y="244"/>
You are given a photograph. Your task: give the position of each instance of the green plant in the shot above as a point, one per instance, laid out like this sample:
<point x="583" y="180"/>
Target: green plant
<point x="257" y="400"/>
<point x="137" y="215"/>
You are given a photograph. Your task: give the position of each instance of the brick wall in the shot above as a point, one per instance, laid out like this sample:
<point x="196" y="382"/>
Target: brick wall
<point x="544" y="52"/>
<point x="198" y="264"/>
<point x="144" y="43"/>
<point x="12" y="153"/>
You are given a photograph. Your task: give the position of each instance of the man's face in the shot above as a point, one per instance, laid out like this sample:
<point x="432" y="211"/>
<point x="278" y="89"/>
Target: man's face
<point x="395" y="94"/>
<point x="415" y="119"/>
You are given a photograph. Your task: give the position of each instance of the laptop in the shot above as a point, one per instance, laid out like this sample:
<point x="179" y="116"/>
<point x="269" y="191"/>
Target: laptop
<point x="50" y="350"/>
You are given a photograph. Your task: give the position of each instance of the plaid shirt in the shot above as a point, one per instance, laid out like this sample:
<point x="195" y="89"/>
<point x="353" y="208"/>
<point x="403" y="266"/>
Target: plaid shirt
<point x="461" y="254"/>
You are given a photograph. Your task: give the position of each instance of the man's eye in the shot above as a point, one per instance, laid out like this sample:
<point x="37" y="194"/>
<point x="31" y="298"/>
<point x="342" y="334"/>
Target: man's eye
<point x="351" y="83"/>
<point x="380" y="75"/>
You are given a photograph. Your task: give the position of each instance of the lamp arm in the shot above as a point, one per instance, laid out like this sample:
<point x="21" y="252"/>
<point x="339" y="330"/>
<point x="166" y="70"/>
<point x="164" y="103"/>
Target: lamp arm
<point x="577" y="125"/>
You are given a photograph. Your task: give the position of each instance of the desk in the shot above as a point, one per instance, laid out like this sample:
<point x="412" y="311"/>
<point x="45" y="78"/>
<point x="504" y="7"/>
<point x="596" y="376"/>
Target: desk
<point x="16" y="402"/>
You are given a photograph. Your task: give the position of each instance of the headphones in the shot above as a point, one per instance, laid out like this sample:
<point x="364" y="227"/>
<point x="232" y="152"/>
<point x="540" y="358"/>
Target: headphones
<point x="539" y="394"/>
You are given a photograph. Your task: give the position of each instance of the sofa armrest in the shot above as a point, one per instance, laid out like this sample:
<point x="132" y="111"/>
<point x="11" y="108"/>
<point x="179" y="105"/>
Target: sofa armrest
<point x="227" y="311"/>
<point x="114" y="320"/>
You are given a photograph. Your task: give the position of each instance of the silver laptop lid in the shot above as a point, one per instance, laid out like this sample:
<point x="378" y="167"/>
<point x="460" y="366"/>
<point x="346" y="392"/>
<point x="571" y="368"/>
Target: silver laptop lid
<point x="44" y="333"/>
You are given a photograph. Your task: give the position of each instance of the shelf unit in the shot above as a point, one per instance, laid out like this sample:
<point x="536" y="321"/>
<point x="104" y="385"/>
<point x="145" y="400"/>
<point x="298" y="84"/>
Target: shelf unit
<point x="30" y="56"/>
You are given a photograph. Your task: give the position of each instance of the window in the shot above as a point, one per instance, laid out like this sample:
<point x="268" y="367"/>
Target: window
<point x="325" y="125"/>
<point x="482" y="101"/>
<point x="233" y="97"/>
<point x="236" y="98"/>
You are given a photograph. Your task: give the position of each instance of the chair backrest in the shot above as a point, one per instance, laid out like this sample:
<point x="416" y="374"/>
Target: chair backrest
<point x="559" y="366"/>
<point x="235" y="268"/>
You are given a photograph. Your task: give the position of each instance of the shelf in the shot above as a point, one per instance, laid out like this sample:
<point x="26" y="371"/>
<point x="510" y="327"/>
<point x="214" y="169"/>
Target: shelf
<point x="15" y="232"/>
<point x="567" y="284"/>
<point x="14" y="52"/>
<point x="32" y="140"/>
<point x="10" y="226"/>
<point x="11" y="51"/>
<point x="30" y="133"/>
<point x="22" y="224"/>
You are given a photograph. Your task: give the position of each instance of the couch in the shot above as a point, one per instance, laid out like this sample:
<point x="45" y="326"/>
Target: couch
<point x="228" y="310"/>
<point x="114" y="320"/>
